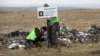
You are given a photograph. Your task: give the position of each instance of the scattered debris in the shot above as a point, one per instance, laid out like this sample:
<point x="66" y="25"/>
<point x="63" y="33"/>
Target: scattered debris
<point x="16" y="39"/>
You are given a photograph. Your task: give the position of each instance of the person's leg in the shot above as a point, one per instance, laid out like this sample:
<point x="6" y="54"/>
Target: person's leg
<point x="49" y="36"/>
<point x="37" y="42"/>
<point x="27" y="44"/>
<point x="54" y="37"/>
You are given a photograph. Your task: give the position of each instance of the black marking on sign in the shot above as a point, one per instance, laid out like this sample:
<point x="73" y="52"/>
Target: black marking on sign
<point x="41" y="13"/>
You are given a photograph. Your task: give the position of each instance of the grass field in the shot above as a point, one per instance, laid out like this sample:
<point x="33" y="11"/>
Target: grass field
<point x="80" y="19"/>
<point x="76" y="50"/>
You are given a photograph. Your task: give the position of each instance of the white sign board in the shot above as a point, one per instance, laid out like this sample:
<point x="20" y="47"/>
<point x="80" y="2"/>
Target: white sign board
<point x="46" y="12"/>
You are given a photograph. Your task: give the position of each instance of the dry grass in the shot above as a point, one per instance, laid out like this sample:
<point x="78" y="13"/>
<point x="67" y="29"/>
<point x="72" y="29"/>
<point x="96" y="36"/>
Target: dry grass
<point x="27" y="20"/>
<point x="76" y="50"/>
<point x="80" y="19"/>
<point x="24" y="21"/>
